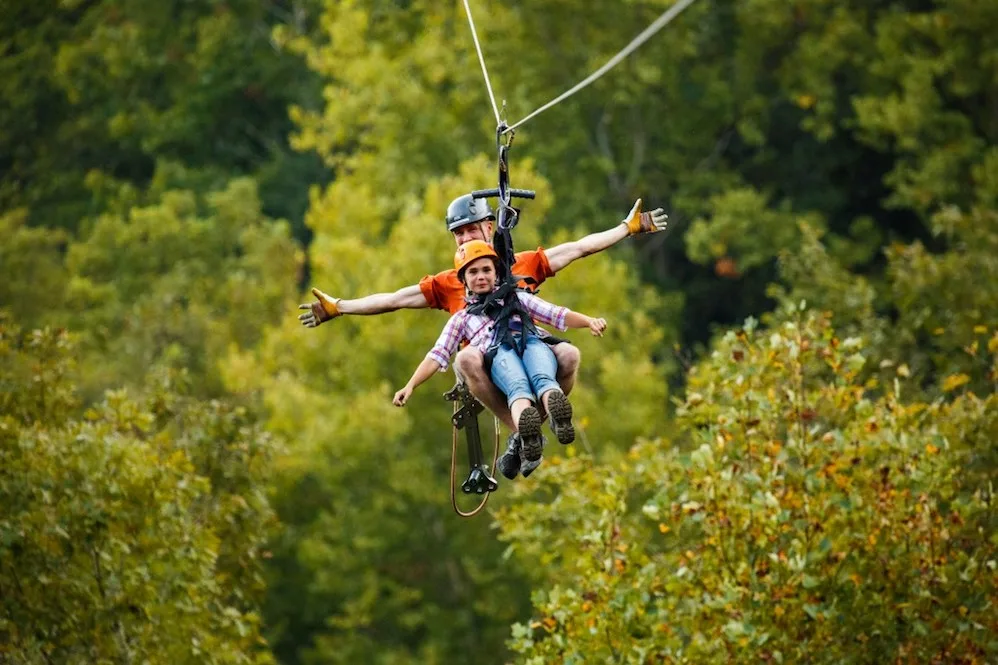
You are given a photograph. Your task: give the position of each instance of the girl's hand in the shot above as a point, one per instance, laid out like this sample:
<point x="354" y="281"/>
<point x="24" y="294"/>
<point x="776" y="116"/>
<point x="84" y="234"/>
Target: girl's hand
<point x="402" y="396"/>
<point x="597" y="326"/>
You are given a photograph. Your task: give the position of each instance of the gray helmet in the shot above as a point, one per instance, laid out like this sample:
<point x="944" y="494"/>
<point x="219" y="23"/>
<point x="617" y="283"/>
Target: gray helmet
<point x="467" y="210"/>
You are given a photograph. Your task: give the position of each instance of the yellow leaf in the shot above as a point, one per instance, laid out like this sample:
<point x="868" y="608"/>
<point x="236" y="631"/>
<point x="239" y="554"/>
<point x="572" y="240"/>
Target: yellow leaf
<point x="980" y="330"/>
<point x="664" y="528"/>
<point x="993" y="344"/>
<point x="903" y="371"/>
<point x="963" y="610"/>
<point x="938" y="331"/>
<point x="931" y="449"/>
<point x="954" y="381"/>
<point x="806" y="101"/>
<point x="779" y="611"/>
<point x="586" y="606"/>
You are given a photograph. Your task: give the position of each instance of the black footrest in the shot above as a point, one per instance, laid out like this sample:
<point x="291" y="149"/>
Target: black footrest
<point x="479" y="482"/>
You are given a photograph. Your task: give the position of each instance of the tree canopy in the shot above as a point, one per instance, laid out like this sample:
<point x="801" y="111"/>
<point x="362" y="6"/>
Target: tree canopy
<point x="786" y="439"/>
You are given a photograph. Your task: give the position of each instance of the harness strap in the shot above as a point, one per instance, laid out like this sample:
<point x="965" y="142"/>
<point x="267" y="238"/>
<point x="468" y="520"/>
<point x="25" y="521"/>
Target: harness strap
<point x="500" y="306"/>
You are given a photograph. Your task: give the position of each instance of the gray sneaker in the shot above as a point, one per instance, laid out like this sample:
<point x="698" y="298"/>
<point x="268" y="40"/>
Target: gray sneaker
<point x="509" y="461"/>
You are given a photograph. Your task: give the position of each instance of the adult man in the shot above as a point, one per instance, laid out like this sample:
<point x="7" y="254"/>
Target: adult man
<point x="470" y="219"/>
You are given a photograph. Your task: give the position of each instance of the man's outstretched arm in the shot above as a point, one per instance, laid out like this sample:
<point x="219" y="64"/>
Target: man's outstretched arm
<point x="328" y="307"/>
<point x="636" y="222"/>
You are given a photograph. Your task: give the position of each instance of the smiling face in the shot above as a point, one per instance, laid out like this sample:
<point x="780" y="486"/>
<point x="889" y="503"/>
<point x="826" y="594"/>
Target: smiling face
<point x="476" y="231"/>
<point x="480" y="275"/>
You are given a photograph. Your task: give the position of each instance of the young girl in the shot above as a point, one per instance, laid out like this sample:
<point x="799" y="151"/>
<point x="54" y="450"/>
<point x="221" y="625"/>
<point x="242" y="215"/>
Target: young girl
<point x="526" y="379"/>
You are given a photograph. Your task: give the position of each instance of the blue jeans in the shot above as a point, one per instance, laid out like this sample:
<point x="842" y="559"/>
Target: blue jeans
<point x="528" y="377"/>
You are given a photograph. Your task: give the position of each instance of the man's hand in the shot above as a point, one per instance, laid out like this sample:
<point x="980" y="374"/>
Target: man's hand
<point x="645" y="222"/>
<point x="597" y="327"/>
<point x="402" y="396"/>
<point x="319" y="311"/>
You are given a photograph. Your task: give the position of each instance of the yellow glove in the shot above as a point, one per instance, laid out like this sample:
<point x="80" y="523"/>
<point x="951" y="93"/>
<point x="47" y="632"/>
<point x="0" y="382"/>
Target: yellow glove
<point x="319" y="311"/>
<point x="645" y="222"/>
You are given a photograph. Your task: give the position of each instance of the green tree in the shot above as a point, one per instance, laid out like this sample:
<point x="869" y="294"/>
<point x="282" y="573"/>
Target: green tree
<point x="173" y="279"/>
<point x="133" y="533"/>
<point x="115" y="86"/>
<point x="32" y="275"/>
<point x="806" y="515"/>
<point x="932" y="315"/>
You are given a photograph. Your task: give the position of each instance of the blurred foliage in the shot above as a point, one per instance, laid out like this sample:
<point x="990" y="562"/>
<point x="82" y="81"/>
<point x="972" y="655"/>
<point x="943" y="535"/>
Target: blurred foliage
<point x="177" y="282"/>
<point x="113" y="87"/>
<point x="133" y="533"/>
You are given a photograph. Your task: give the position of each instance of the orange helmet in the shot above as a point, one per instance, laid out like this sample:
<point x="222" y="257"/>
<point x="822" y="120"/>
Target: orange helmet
<point x="469" y="251"/>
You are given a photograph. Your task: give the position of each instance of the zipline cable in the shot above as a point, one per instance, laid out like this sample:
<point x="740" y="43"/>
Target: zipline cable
<point x="481" y="59"/>
<point x="659" y="23"/>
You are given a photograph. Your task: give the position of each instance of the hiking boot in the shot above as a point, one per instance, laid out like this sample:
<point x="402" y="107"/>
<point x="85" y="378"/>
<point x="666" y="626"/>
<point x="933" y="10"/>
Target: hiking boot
<point x="509" y="462"/>
<point x="529" y="428"/>
<point x="560" y="410"/>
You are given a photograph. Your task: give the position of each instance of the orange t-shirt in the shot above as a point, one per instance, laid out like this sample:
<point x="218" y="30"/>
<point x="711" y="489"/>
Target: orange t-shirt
<point x="445" y="291"/>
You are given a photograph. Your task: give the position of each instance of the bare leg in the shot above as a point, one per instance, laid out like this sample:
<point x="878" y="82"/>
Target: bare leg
<point x="568" y="357"/>
<point x="470" y="364"/>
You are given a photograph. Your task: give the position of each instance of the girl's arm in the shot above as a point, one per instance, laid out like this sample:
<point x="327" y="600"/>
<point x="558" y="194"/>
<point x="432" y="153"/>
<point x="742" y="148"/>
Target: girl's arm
<point x="561" y="318"/>
<point x="426" y="369"/>
<point x="437" y="359"/>
<point x="576" y="320"/>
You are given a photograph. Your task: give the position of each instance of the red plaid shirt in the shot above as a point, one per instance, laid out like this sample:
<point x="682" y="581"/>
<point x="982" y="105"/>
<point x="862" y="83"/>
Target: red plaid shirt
<point x="479" y="329"/>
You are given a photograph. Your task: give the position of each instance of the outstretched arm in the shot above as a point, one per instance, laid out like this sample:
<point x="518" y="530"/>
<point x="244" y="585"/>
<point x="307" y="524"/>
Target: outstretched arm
<point x="636" y="222"/>
<point x="328" y="307"/>
<point x="426" y="369"/>
<point x="577" y="320"/>
<point x="561" y="318"/>
<point x="437" y="359"/>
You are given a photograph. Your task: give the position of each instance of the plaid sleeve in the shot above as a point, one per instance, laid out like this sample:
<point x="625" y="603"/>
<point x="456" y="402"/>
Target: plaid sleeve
<point x="447" y="343"/>
<point x="543" y="311"/>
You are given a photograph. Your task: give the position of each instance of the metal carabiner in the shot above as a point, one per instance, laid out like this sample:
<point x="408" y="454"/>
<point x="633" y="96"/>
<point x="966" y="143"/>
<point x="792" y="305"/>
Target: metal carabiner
<point x="507" y="214"/>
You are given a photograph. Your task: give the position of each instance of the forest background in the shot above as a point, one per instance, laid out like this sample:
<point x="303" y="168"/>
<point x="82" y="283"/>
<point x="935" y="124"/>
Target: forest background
<point x="787" y="439"/>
